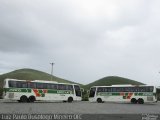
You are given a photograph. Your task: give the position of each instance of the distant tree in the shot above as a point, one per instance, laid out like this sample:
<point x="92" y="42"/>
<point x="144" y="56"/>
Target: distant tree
<point x="84" y="95"/>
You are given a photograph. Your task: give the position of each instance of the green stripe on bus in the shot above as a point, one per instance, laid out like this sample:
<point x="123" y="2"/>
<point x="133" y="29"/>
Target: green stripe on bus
<point x="60" y="92"/>
<point x="144" y="94"/>
<point x="115" y="94"/>
<point x="25" y="90"/>
<point x="126" y="94"/>
<point x="17" y="90"/>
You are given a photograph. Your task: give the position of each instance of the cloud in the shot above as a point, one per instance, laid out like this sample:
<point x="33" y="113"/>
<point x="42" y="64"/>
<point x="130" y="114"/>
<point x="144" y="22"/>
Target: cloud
<point x="86" y="39"/>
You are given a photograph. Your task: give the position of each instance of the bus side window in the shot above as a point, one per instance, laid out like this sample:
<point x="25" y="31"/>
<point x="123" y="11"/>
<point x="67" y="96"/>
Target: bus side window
<point x="114" y="89"/>
<point x="21" y="84"/>
<point x="138" y="89"/>
<point x="150" y="89"/>
<point x="126" y="89"/>
<point x="131" y="89"/>
<point x="12" y="84"/>
<point x="18" y="84"/>
<point x="105" y="89"/>
<point x="141" y="89"/>
<point x="31" y="85"/>
<point x="69" y="87"/>
<point x="118" y="89"/>
<point x="108" y="89"/>
<point x="61" y="87"/>
<point x="24" y="85"/>
<point x="54" y="86"/>
<point x="44" y="85"/>
<point x="40" y="86"/>
<point x="100" y="89"/>
<point x="49" y="86"/>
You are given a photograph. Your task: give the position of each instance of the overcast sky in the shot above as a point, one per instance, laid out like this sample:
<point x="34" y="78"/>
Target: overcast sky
<point x="86" y="39"/>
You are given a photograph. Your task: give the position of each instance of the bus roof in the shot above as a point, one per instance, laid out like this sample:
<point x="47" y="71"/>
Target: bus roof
<point x="44" y="81"/>
<point x="123" y="86"/>
<point x="41" y="81"/>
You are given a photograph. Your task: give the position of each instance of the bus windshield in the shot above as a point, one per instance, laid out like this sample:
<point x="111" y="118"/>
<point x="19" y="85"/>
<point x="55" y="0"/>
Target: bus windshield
<point x="77" y="90"/>
<point x="92" y="92"/>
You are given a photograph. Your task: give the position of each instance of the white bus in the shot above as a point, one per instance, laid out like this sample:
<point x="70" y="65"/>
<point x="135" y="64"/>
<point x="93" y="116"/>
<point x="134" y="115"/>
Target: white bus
<point x="40" y="90"/>
<point x="123" y="93"/>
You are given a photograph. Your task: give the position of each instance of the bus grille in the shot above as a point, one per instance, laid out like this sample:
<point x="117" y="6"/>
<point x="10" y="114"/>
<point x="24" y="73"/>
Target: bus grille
<point x="149" y="98"/>
<point x="11" y="95"/>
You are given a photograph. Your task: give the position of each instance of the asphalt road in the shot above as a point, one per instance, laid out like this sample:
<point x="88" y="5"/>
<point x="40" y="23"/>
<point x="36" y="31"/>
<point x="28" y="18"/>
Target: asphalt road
<point x="78" y="108"/>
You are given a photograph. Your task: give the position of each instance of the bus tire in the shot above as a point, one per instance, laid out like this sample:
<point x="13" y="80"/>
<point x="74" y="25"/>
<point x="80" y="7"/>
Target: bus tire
<point x="99" y="100"/>
<point x="32" y="99"/>
<point x="23" y="98"/>
<point x="133" y="101"/>
<point x="70" y="99"/>
<point x="140" y="101"/>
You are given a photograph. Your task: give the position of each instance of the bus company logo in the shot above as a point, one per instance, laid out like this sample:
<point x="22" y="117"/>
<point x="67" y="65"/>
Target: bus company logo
<point x="63" y="92"/>
<point x="104" y="94"/>
<point x="60" y="92"/>
<point x="14" y="90"/>
<point x="67" y="92"/>
<point x="40" y="93"/>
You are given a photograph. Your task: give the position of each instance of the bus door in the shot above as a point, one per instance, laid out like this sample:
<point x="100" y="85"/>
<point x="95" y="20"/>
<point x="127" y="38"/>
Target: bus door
<point x="157" y="95"/>
<point x="77" y="90"/>
<point x="92" y="92"/>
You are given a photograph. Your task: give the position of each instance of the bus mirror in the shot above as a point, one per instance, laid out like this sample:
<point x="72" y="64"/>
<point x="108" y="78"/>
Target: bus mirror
<point x="82" y="90"/>
<point x="88" y="91"/>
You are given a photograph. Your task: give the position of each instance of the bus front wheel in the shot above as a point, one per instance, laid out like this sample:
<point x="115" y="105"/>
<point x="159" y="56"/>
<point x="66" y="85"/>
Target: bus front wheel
<point x="23" y="99"/>
<point x="99" y="100"/>
<point x="70" y="99"/>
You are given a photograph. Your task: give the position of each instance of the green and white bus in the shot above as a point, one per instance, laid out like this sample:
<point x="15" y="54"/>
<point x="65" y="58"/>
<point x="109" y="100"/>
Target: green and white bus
<point x="123" y="93"/>
<point x="40" y="90"/>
